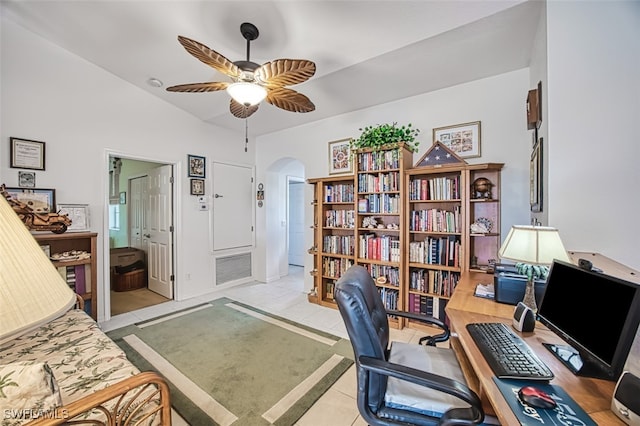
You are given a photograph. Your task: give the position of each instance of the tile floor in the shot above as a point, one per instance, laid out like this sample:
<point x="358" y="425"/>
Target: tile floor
<point x="287" y="298"/>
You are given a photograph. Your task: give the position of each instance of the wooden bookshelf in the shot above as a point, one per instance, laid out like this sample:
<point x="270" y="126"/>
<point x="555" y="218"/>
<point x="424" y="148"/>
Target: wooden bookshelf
<point x="334" y="225"/>
<point x="83" y="241"/>
<point x="380" y="196"/>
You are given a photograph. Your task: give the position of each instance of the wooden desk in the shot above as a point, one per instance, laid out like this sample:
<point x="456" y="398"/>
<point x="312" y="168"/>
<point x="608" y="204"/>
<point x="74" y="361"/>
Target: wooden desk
<point x="593" y="395"/>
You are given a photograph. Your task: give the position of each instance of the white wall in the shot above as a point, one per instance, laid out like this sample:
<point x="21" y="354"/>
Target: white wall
<point x="498" y="102"/>
<point x="81" y="112"/>
<point x="594" y="113"/>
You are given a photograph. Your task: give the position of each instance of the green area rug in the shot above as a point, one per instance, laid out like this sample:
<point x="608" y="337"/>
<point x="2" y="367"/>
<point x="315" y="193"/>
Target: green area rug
<point x="229" y="363"/>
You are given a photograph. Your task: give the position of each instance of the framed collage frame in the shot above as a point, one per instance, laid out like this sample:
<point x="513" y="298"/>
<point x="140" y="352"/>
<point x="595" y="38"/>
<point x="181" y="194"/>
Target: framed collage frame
<point x="462" y="139"/>
<point x="197" y="166"/>
<point x="340" y="156"/>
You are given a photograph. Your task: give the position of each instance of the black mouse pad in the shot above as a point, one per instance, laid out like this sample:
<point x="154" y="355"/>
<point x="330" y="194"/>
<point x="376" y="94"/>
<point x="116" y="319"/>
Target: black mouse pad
<point x="567" y="412"/>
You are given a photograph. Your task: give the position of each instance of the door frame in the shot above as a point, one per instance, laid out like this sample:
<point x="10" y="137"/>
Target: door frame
<point x="104" y="307"/>
<point x="290" y="179"/>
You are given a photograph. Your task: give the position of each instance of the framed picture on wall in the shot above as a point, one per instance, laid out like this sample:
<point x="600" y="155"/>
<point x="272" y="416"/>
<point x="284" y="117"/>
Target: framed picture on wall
<point x="38" y="199"/>
<point x="535" y="178"/>
<point x="26" y="154"/>
<point x="462" y="139"/>
<point x="197" y="166"/>
<point x="340" y="156"/>
<point x="197" y="186"/>
<point x="79" y="215"/>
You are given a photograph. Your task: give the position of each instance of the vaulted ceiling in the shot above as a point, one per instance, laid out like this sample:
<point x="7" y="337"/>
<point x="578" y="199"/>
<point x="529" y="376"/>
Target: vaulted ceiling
<point x="366" y="52"/>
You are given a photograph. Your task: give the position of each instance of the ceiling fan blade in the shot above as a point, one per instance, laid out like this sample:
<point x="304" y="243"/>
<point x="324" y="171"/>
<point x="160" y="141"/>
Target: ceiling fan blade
<point x="213" y="86"/>
<point x="210" y="57"/>
<point x="289" y="100"/>
<point x="241" y="111"/>
<point x="285" y="72"/>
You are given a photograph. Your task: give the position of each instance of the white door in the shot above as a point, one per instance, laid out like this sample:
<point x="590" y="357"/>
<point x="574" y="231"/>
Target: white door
<point x="296" y="223"/>
<point x="138" y="205"/>
<point x="232" y="206"/>
<point x="159" y="237"/>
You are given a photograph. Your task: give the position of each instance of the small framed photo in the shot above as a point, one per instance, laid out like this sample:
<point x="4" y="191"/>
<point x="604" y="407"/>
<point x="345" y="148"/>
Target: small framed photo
<point x="535" y="178"/>
<point x="197" y="186"/>
<point x="462" y="139"/>
<point x="26" y="154"/>
<point x="38" y="199"/>
<point x="197" y="166"/>
<point x="123" y="198"/>
<point x="27" y="179"/>
<point x="79" y="215"/>
<point x="340" y="156"/>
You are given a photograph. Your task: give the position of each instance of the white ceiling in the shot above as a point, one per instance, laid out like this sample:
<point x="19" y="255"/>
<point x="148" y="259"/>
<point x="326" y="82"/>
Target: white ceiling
<point x="366" y="52"/>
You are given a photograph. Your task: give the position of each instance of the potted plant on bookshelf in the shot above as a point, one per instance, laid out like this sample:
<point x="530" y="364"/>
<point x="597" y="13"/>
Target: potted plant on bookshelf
<point x="385" y="136"/>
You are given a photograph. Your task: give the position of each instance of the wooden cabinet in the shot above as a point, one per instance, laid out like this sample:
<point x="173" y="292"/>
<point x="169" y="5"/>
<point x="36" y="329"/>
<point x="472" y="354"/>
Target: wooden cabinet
<point x="435" y="216"/>
<point x="334" y="239"/>
<point x="380" y="242"/>
<point x="85" y="285"/>
<point x="483" y="207"/>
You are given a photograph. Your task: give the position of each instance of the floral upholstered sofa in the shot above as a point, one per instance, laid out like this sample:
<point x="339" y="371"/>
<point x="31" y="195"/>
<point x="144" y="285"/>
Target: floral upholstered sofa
<point x="69" y="368"/>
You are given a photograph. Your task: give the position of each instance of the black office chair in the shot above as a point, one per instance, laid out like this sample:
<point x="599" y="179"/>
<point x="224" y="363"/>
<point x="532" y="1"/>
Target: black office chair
<point x="406" y="384"/>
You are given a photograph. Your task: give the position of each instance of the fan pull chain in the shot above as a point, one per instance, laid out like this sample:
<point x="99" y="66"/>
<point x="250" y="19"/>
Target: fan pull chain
<point x="246" y="133"/>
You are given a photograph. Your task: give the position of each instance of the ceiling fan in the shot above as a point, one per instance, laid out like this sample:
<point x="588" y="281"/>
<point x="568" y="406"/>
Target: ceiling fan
<point x="252" y="82"/>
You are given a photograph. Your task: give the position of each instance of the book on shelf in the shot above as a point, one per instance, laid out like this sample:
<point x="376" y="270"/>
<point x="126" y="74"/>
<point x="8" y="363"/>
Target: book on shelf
<point x="80" y="279"/>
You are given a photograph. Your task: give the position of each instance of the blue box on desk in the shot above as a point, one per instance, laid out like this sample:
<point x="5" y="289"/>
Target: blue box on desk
<point x="509" y="286"/>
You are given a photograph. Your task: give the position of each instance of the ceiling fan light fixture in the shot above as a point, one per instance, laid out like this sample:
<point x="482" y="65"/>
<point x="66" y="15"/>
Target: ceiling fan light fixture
<point x="246" y="93"/>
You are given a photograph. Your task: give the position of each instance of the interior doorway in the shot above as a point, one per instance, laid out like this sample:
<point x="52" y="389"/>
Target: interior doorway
<point x="141" y="234"/>
<point x="295" y="230"/>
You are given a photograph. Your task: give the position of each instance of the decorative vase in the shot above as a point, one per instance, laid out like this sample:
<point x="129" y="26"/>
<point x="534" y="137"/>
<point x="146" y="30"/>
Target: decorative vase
<point x="530" y="296"/>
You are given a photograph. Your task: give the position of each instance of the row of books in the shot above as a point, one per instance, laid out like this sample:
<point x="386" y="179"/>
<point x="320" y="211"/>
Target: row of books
<point x="340" y="219"/>
<point x="438" y="188"/>
<point x="338" y="193"/>
<point x="382" y="182"/>
<point x="435" y="220"/>
<point x="436" y="251"/>
<point x="389" y="297"/>
<point x="339" y="244"/>
<point x="384" y="247"/>
<point x="378" y="160"/>
<point x="335" y="267"/>
<point x="442" y="283"/>
<point x="78" y="277"/>
<point x="427" y="305"/>
<point x="379" y="203"/>
<point x="391" y="273"/>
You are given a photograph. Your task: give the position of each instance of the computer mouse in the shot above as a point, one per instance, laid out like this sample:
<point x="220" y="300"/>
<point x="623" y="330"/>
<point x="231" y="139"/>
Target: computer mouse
<point x="536" y="398"/>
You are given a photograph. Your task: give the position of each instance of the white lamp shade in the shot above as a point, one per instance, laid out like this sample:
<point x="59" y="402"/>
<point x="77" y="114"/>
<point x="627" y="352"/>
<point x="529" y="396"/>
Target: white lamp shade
<point x="32" y="292"/>
<point x="536" y="245"/>
<point x="247" y="94"/>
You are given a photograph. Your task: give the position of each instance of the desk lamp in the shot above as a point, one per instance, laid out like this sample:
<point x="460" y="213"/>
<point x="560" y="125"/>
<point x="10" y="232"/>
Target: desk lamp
<point x="32" y="292"/>
<point x="533" y="245"/>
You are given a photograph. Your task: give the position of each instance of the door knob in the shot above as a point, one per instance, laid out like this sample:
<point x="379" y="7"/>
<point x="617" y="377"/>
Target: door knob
<point x="218" y="196"/>
<point x="147" y="235"/>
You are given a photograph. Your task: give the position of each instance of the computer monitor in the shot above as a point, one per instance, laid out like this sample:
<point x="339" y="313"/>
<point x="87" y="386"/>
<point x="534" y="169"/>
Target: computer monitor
<point x="595" y="313"/>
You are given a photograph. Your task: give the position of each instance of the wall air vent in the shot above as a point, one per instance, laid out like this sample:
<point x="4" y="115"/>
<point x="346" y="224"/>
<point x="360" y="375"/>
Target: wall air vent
<point x="232" y="268"/>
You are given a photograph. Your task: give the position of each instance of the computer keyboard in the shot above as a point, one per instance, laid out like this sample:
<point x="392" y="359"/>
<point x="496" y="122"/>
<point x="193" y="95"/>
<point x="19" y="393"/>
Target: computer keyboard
<point x="508" y="355"/>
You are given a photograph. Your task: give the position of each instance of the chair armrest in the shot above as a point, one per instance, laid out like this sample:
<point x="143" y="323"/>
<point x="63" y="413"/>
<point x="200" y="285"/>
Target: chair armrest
<point x="431" y="340"/>
<point x="423" y="378"/>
